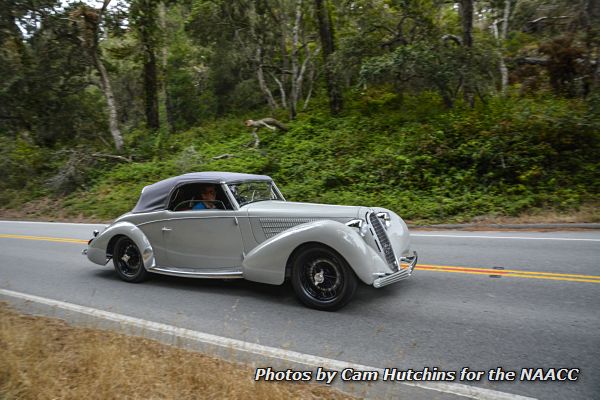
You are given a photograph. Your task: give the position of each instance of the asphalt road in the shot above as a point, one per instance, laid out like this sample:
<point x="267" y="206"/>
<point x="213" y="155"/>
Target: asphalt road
<point x="479" y="300"/>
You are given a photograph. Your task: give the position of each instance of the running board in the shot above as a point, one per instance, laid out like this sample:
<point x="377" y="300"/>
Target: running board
<point x="213" y="273"/>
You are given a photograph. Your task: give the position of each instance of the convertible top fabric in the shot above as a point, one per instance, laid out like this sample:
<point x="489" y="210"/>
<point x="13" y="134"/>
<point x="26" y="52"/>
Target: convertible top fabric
<point x="155" y="197"/>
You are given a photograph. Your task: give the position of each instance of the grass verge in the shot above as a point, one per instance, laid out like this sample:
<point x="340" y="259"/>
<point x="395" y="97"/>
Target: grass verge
<point x="44" y="358"/>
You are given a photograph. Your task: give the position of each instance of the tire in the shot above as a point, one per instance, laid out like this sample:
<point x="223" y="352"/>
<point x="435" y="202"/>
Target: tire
<point x="128" y="261"/>
<point x="322" y="279"/>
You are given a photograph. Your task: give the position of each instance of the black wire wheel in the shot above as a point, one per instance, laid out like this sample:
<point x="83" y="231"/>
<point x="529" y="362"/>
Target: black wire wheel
<point x="322" y="279"/>
<point x="128" y="261"/>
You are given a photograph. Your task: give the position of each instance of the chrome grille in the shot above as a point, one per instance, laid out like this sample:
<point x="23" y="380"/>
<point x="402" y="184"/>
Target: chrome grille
<point x="384" y="241"/>
<point x="274" y="226"/>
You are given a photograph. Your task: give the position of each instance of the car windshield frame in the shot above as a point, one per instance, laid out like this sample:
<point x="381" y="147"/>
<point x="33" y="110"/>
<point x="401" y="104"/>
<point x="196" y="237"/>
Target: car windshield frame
<point x="242" y="200"/>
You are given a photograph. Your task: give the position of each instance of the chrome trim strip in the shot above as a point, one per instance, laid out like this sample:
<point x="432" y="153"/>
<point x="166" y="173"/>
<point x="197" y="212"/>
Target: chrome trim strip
<point x="191" y="217"/>
<point x="224" y="216"/>
<point x="195" y="273"/>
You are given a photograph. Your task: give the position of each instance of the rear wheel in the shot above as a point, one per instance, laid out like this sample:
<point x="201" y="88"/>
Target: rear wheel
<point x="128" y="261"/>
<point x="322" y="279"/>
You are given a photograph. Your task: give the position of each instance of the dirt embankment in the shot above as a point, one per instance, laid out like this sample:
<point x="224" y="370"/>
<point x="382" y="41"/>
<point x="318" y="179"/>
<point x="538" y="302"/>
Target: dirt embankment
<point x="44" y="358"/>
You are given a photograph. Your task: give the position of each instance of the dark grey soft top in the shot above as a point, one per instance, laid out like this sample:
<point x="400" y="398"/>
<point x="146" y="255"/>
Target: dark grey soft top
<point x="156" y="196"/>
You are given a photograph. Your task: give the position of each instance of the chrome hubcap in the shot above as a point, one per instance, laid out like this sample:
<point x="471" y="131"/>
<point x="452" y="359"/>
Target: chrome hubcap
<point x="130" y="261"/>
<point x="319" y="278"/>
<point x="322" y="279"/>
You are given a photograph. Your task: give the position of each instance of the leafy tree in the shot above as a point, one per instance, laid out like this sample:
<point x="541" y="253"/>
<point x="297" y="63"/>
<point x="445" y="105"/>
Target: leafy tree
<point x="88" y="21"/>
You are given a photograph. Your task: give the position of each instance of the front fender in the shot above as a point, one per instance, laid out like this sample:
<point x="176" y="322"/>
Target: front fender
<point x="97" y="251"/>
<point x="266" y="263"/>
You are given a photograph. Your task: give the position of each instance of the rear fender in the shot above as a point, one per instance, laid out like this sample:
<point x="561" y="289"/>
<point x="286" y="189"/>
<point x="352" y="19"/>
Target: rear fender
<point x="100" y="249"/>
<point x="266" y="263"/>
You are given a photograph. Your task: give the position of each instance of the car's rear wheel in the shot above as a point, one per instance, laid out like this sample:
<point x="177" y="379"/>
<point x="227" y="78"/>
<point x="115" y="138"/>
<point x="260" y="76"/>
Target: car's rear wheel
<point x="128" y="261"/>
<point x="322" y="279"/>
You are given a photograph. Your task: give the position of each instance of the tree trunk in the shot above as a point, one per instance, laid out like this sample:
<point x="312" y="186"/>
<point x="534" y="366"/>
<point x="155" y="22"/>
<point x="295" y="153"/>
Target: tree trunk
<point x="591" y="17"/>
<point x="164" y="56"/>
<point x="504" y="34"/>
<point x="110" y="103"/>
<point x="145" y="21"/>
<point x="151" y="89"/>
<point x="285" y="62"/>
<point x="113" y="120"/>
<point x="328" y="44"/>
<point x="466" y="17"/>
<point x="295" y="90"/>
<point x="261" y="80"/>
<point x="466" y="14"/>
<point x="500" y="37"/>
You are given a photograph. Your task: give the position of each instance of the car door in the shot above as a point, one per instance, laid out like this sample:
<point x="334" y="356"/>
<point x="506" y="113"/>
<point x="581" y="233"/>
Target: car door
<point x="203" y="239"/>
<point x="152" y="224"/>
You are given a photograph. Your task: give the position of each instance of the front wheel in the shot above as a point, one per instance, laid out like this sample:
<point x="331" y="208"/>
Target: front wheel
<point x="322" y="279"/>
<point x="128" y="261"/>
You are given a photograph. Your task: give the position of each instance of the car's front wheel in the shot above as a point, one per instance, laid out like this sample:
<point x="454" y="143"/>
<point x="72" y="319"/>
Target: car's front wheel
<point x="128" y="261"/>
<point x="322" y="279"/>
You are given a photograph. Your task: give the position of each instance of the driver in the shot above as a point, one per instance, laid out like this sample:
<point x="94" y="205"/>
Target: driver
<point x="207" y="195"/>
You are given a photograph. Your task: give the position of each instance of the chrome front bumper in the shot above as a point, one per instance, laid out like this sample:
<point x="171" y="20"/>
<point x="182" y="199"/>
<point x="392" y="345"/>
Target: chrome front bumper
<point x="402" y="273"/>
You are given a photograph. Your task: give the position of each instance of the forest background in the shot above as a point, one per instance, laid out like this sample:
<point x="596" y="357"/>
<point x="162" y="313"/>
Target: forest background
<point x="439" y="110"/>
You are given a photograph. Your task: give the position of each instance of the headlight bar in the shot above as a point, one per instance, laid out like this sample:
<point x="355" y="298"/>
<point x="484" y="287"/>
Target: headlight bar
<point x="385" y="217"/>
<point x="359" y="224"/>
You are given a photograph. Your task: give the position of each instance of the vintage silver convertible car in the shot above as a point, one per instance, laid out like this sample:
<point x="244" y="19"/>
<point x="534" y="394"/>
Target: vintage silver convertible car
<point x="231" y="225"/>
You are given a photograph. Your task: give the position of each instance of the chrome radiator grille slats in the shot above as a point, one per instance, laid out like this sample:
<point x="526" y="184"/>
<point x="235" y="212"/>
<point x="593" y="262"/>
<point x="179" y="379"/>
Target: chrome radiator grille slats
<point x="274" y="226"/>
<point x="384" y="241"/>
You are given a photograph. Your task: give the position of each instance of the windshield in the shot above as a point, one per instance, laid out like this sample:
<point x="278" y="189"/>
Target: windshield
<point x="253" y="191"/>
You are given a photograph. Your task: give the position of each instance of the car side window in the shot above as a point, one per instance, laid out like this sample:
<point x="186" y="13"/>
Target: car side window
<point x="198" y="197"/>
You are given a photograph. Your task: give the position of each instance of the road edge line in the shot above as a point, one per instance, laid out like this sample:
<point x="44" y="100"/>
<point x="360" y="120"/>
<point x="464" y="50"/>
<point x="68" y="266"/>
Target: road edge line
<point x="258" y="349"/>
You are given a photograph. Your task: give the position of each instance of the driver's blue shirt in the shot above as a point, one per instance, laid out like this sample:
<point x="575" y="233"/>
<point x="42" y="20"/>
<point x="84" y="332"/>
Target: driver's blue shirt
<point x="199" y="206"/>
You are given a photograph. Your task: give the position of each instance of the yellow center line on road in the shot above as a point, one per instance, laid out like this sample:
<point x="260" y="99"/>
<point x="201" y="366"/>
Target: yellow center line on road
<point x="503" y="271"/>
<point x="42" y="238"/>
<point x="512" y="273"/>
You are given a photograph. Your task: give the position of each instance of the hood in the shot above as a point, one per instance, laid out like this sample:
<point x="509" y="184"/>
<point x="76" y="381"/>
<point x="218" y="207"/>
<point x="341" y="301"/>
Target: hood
<point x="306" y="210"/>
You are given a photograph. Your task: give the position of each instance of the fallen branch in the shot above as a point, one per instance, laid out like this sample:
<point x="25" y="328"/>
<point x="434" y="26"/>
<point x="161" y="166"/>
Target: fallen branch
<point x="531" y="60"/>
<point x="113" y="156"/>
<point x="452" y="38"/>
<point x="222" y="156"/>
<point x="269" y="123"/>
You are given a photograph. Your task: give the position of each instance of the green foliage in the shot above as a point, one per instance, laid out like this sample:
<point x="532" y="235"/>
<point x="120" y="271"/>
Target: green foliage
<point x="409" y="139"/>
<point x="507" y="157"/>
<point x="22" y="164"/>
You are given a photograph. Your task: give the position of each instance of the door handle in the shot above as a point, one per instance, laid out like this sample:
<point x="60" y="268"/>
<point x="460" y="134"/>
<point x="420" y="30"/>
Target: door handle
<point x="165" y="229"/>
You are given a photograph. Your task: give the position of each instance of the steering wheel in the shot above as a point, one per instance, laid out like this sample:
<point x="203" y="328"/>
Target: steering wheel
<point x="179" y="207"/>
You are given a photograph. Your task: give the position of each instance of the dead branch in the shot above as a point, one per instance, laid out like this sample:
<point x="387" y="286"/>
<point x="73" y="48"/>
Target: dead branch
<point x="538" y="23"/>
<point x="281" y="90"/>
<point x="531" y="60"/>
<point x="269" y="123"/>
<point x="112" y="156"/>
<point x="452" y="38"/>
<point x="222" y="156"/>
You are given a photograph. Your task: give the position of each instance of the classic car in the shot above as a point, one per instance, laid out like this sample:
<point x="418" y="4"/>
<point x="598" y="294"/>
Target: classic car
<point x="225" y="225"/>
